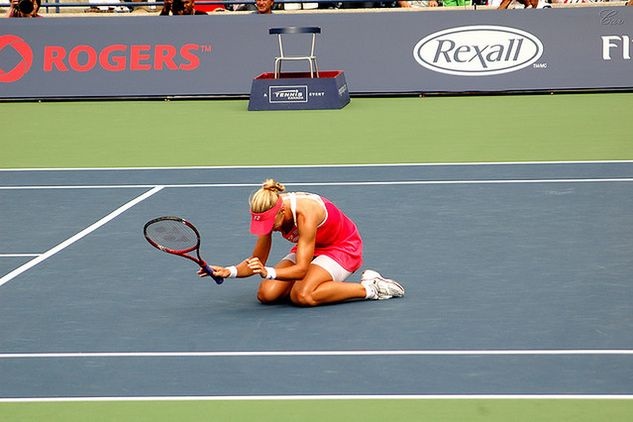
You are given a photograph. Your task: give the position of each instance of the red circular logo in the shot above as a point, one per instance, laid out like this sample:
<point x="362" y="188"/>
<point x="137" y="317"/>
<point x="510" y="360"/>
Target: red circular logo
<point x="25" y="52"/>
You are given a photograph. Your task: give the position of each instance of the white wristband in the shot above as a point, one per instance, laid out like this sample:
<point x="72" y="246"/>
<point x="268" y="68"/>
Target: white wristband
<point x="271" y="273"/>
<point x="233" y="270"/>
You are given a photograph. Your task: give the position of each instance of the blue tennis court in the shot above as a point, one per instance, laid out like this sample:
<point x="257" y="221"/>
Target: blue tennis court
<point x="518" y="280"/>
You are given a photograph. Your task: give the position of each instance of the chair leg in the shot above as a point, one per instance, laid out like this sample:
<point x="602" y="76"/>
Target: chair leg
<point x="277" y="67"/>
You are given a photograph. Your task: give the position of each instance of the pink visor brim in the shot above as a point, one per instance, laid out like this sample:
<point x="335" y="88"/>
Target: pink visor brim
<point x="262" y="222"/>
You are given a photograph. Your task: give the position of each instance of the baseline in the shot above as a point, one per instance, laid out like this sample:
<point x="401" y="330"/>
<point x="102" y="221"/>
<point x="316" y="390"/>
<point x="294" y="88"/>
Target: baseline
<point x="300" y="166"/>
<point x="313" y="397"/>
<point x="253" y="175"/>
<point x="535" y="352"/>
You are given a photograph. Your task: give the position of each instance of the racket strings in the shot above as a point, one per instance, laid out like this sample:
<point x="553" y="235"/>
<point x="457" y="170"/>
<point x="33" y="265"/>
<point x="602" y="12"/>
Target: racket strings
<point x="172" y="235"/>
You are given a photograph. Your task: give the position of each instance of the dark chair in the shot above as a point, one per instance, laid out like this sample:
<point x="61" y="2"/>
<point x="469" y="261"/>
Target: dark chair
<point x="314" y="69"/>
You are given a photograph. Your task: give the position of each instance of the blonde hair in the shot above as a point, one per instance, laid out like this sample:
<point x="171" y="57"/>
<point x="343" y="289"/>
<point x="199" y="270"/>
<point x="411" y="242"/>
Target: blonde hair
<point x="266" y="197"/>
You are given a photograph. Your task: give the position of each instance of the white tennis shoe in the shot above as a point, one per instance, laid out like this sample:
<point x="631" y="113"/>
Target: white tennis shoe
<point x="378" y="287"/>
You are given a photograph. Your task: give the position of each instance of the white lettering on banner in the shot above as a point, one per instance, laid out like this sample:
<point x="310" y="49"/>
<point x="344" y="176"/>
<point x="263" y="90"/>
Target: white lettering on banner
<point x="294" y="93"/>
<point x="620" y="42"/>
<point x="288" y="94"/>
<point x="478" y="50"/>
<point x="84" y="58"/>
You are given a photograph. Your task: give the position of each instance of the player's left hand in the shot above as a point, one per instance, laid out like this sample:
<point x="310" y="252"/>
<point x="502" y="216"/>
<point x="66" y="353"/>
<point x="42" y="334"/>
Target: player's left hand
<point x="257" y="266"/>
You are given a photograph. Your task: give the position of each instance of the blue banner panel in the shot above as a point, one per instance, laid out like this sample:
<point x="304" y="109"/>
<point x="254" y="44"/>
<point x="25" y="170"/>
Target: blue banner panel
<point x="299" y="91"/>
<point x="380" y="52"/>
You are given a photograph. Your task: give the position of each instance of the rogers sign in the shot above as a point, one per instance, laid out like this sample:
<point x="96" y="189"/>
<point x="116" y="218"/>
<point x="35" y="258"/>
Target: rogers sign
<point x="111" y="58"/>
<point x="20" y="68"/>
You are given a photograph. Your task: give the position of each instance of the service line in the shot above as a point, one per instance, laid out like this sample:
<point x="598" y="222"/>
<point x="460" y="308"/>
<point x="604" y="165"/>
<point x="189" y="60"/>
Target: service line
<point x="321" y="353"/>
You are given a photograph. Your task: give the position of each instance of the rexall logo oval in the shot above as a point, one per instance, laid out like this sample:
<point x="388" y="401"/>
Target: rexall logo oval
<point x="23" y="65"/>
<point x="478" y="50"/>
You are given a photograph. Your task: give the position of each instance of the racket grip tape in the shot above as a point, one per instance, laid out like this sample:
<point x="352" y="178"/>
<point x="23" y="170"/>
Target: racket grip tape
<point x="208" y="270"/>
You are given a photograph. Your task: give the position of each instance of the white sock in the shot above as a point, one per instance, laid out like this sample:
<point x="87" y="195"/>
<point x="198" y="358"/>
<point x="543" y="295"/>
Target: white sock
<point x="370" y="292"/>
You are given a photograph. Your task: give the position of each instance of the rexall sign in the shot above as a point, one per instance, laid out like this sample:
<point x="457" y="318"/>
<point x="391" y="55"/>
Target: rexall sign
<point x="478" y="50"/>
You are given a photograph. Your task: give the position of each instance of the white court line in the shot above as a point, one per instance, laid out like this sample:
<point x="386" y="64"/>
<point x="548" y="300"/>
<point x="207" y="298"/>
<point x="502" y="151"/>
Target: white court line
<point x="316" y="353"/>
<point x="293" y="166"/>
<point x="18" y="255"/>
<point x="78" y="236"/>
<point x="53" y="187"/>
<point x="329" y="397"/>
<point x="359" y="183"/>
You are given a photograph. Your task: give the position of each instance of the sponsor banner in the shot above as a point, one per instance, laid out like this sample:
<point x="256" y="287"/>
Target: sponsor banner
<point x="221" y="54"/>
<point x="478" y="50"/>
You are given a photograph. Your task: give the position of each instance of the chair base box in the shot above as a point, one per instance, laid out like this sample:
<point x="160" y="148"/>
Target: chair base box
<point x="298" y="91"/>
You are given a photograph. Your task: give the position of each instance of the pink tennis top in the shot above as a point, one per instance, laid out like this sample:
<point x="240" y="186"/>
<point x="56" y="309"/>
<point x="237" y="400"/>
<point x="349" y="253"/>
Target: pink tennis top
<point x="337" y="236"/>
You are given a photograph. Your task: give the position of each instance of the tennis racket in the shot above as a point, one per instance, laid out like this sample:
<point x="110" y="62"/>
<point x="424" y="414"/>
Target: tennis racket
<point x="178" y="237"/>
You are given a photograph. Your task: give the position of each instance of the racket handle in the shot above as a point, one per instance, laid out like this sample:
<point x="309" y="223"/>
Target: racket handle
<point x="208" y="270"/>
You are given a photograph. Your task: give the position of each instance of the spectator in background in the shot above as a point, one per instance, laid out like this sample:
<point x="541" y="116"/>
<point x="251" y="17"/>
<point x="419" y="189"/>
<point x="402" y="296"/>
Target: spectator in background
<point x="629" y="3"/>
<point x="261" y="7"/>
<point x="527" y="4"/>
<point x="24" y="9"/>
<point x="180" y="7"/>
<point x="264" y="7"/>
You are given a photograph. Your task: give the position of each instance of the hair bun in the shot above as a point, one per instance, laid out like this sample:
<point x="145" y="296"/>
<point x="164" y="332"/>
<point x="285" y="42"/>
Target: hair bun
<point x="273" y="186"/>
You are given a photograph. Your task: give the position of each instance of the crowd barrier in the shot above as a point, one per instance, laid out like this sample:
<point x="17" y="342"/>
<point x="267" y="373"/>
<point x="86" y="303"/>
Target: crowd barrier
<point x="401" y="51"/>
<point x="56" y="6"/>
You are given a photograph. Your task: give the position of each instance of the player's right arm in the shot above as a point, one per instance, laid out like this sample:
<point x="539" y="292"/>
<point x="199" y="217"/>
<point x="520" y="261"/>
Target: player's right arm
<point x="261" y="251"/>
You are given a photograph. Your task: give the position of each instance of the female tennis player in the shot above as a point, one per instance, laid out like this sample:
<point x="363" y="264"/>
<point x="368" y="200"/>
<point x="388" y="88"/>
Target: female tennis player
<point x="328" y="250"/>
